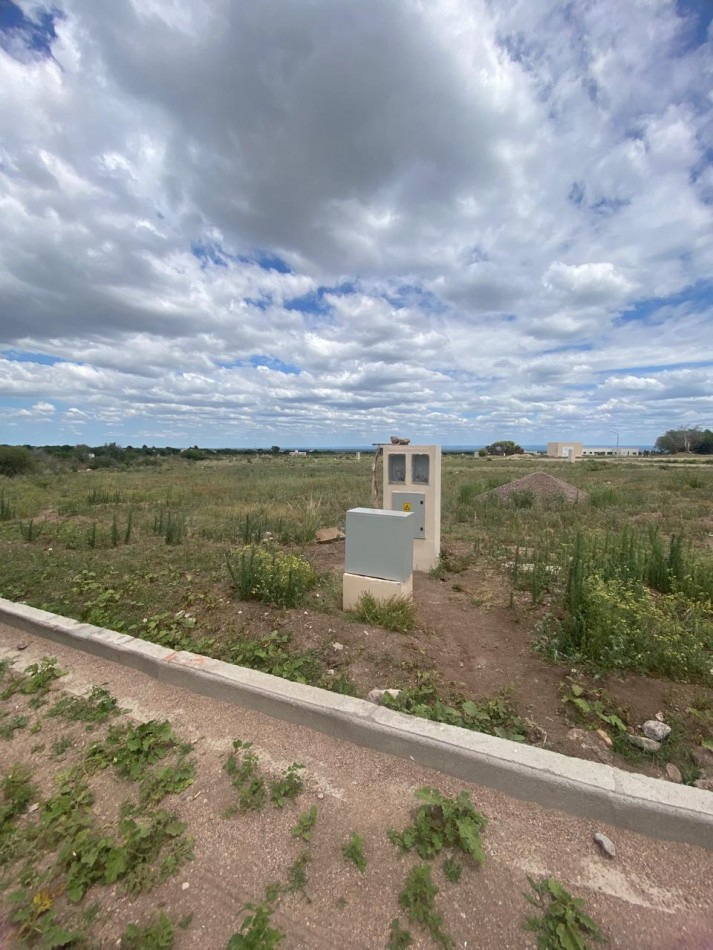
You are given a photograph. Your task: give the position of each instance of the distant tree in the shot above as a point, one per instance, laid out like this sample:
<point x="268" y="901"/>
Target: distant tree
<point x="195" y="454"/>
<point x="685" y="440"/>
<point x="15" y="460"/>
<point x="504" y="447"/>
<point x="275" y="449"/>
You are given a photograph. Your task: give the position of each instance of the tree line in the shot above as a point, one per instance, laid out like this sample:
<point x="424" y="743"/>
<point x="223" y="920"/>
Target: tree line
<point x="696" y="440"/>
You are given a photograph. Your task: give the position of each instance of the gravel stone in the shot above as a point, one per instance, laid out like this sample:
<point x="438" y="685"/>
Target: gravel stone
<point x="641" y="742"/>
<point x="658" y="731"/>
<point x="606" y="845"/>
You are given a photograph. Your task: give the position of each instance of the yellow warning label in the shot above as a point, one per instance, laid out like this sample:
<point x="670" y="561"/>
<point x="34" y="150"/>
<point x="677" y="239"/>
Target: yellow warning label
<point x="407" y="506"/>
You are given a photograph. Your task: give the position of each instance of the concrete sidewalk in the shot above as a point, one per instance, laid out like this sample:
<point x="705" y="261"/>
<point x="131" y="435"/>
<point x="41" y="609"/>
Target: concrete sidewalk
<point x="583" y="788"/>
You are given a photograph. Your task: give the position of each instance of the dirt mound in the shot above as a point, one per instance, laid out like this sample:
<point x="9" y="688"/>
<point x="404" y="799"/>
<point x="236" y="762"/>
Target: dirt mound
<point x="541" y="485"/>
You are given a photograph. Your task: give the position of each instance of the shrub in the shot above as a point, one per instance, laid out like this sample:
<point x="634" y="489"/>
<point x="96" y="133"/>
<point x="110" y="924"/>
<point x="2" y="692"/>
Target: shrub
<point x="15" y="460"/>
<point x="271" y="576"/>
<point x="622" y="625"/>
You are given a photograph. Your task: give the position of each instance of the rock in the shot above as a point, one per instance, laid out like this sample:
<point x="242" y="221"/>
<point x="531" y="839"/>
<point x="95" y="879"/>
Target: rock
<point x="337" y="646"/>
<point x="703" y="758"/>
<point x="658" y="731"/>
<point x="659" y="716"/>
<point x="704" y="783"/>
<point x="376" y="695"/>
<point x="590" y="742"/>
<point x="673" y="773"/>
<point x="22" y="646"/>
<point x="327" y="535"/>
<point x="605" y="737"/>
<point x="641" y="742"/>
<point x="606" y="845"/>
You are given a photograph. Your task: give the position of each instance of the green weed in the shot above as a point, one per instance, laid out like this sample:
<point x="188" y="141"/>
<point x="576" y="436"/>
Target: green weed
<point x="97" y="707"/>
<point x="353" y="850"/>
<point x="132" y="749"/>
<point x="36" y="679"/>
<point x="255" y="932"/>
<point x="10" y="724"/>
<point x="443" y="822"/>
<point x="242" y="766"/>
<point x="156" y="936"/>
<point x="452" y="870"/>
<point x="273" y="577"/>
<point x="561" y="923"/>
<point x="270" y="654"/>
<point x="396" y="613"/>
<point x="305" y="824"/>
<point x="297" y="875"/>
<point x="399" y="939"/>
<point x="288" y="787"/>
<point x="6" y="511"/>
<point x="418" y="900"/>
<point x="495" y="717"/>
<point x="593" y="706"/>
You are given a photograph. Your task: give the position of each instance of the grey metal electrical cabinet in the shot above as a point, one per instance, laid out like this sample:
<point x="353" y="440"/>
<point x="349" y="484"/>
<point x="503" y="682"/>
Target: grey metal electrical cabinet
<point x="415" y="502"/>
<point x="379" y="543"/>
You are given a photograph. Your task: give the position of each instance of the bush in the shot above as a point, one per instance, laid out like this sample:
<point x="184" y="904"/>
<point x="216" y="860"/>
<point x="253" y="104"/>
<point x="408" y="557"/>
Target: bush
<point x="620" y="624"/>
<point x="15" y="460"/>
<point x="271" y="576"/>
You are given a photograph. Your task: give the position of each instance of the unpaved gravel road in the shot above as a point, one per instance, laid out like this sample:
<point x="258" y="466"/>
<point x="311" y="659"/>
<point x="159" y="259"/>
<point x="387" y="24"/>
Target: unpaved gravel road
<point x="654" y="895"/>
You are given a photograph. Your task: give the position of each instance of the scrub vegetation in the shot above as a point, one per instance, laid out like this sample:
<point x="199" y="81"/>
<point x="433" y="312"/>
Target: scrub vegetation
<point x="164" y="547"/>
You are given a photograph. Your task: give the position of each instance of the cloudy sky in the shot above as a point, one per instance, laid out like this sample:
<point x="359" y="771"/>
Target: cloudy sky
<point x="323" y="222"/>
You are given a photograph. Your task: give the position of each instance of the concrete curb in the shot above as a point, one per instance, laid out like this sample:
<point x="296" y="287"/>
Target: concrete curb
<point x="587" y="789"/>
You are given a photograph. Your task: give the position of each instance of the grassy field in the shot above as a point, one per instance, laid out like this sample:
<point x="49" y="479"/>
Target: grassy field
<point x="113" y="547"/>
<point x="620" y="582"/>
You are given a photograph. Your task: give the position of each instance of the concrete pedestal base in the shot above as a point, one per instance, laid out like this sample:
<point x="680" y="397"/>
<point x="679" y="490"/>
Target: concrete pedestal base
<point x="354" y="585"/>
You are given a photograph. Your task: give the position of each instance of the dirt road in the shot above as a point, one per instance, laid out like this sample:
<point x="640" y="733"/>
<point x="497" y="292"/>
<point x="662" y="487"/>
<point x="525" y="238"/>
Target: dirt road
<point x="654" y="894"/>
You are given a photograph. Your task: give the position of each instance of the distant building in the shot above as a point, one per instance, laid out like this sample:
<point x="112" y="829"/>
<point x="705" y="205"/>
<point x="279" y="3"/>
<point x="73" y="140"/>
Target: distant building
<point x="618" y="451"/>
<point x="563" y="450"/>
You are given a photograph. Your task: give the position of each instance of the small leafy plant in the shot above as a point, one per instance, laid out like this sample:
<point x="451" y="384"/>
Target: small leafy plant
<point x="353" y="850"/>
<point x="496" y="717"/>
<point x="36" y="678"/>
<point x="443" y="822"/>
<point x="418" y="900"/>
<point x="593" y="706"/>
<point x="288" y="787"/>
<point x="242" y="766"/>
<point x="156" y="936"/>
<point x="305" y="824"/>
<point x="561" y="923"/>
<point x="97" y="707"/>
<point x="255" y="932"/>
<point x="399" y="939"/>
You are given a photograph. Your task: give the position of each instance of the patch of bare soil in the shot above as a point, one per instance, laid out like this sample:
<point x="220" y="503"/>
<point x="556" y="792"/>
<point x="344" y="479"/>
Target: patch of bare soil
<point x="476" y="639"/>
<point x="541" y="485"/>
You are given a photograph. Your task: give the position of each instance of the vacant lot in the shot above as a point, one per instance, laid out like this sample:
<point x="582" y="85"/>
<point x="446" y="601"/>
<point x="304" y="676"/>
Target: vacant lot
<point x="566" y="625"/>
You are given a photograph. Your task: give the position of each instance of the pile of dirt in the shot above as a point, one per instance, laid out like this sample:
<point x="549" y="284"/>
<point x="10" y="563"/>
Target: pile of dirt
<point x="541" y="485"/>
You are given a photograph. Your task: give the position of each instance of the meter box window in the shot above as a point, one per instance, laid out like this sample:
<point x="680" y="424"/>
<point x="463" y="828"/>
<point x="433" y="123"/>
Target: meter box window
<point x="397" y="469"/>
<point x="419" y="469"/>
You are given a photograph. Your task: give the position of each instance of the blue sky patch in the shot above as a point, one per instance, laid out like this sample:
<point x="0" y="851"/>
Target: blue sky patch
<point x="273" y="363"/>
<point x="25" y="357"/>
<point x="37" y="35"/>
